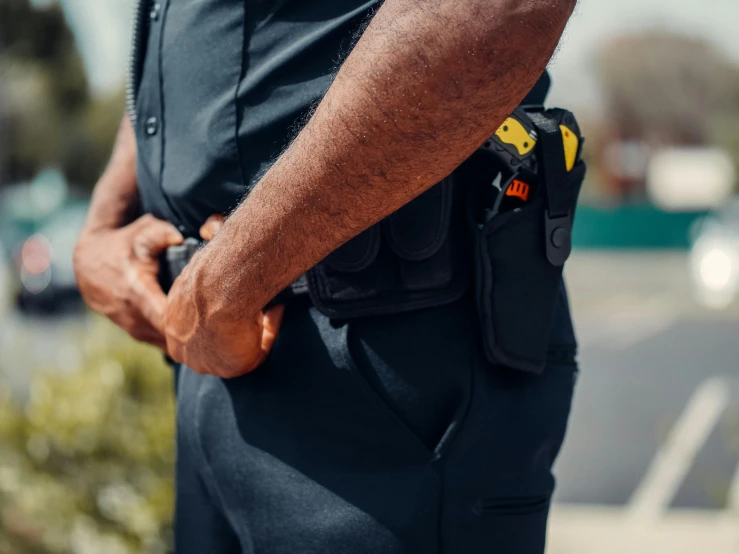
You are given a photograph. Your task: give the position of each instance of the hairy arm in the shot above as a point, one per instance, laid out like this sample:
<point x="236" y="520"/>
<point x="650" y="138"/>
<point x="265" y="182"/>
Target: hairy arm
<point x="426" y="84"/>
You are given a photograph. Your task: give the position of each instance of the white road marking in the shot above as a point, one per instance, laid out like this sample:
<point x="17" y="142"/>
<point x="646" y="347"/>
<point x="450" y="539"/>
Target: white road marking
<point x="732" y="503"/>
<point x="672" y="462"/>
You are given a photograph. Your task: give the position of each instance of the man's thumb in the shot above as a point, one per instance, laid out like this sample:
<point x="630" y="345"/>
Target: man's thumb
<point x="154" y="238"/>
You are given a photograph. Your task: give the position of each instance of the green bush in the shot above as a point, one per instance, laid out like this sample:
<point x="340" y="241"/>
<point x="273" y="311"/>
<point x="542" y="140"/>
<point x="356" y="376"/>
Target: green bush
<point x="86" y="462"/>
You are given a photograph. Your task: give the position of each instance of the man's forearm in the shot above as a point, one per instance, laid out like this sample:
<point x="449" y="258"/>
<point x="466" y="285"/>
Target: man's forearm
<point x="115" y="201"/>
<point x="425" y="85"/>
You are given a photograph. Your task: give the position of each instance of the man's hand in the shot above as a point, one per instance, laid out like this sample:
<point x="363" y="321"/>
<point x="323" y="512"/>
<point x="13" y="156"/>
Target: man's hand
<point x="117" y="269"/>
<point x="225" y="350"/>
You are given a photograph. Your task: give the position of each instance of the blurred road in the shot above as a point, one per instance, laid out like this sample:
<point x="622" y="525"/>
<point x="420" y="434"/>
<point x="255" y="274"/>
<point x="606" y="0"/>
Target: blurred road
<point x="659" y="375"/>
<point x="651" y="461"/>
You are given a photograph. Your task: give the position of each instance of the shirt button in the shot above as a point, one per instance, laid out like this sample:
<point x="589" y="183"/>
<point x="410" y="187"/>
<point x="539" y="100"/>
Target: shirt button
<point x="151" y="126"/>
<point x="154" y="13"/>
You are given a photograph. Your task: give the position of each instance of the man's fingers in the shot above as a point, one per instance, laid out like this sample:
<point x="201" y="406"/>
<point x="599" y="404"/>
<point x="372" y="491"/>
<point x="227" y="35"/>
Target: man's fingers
<point x="211" y="226"/>
<point x="271" y="322"/>
<point x="153" y="300"/>
<point x="154" y="237"/>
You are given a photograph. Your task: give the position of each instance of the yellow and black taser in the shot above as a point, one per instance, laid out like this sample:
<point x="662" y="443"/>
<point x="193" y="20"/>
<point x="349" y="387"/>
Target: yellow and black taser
<point x="514" y="145"/>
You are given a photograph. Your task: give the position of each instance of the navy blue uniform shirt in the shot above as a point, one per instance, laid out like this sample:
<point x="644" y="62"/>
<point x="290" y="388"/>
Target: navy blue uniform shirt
<point x="220" y="87"/>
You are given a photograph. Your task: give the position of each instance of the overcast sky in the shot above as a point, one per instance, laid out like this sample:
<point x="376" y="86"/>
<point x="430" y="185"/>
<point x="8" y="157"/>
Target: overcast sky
<point x="596" y="20"/>
<point x="103" y="26"/>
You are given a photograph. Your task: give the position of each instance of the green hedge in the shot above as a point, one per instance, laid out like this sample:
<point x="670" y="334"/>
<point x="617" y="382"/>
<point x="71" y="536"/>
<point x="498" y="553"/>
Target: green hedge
<point x="86" y="463"/>
<point x="639" y="226"/>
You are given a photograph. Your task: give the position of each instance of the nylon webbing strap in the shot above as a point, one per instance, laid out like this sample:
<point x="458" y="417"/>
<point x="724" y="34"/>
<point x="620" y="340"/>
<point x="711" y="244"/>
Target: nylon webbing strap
<point x="552" y="159"/>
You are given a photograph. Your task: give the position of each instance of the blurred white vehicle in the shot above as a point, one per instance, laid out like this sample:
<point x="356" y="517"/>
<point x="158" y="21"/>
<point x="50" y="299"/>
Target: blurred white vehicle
<point x="714" y="256"/>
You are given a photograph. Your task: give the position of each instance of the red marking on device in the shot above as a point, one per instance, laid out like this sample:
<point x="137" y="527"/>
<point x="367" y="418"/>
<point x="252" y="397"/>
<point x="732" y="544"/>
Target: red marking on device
<point x="518" y="189"/>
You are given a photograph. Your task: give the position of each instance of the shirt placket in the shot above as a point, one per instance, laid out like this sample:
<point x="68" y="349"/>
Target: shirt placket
<point x="149" y="120"/>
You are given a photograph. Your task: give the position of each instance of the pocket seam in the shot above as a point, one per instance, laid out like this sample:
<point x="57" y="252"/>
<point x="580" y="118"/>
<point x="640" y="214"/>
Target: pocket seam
<point x="512" y="506"/>
<point x="377" y="399"/>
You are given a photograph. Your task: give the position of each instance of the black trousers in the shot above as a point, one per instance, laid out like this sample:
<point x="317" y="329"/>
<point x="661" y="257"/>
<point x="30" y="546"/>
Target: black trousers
<point x="380" y="435"/>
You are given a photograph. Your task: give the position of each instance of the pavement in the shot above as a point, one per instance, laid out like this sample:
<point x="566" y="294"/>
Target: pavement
<point x="30" y="343"/>
<point x="651" y="461"/>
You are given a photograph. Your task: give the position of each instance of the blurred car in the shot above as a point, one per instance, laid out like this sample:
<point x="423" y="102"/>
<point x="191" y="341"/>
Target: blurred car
<point x="714" y="256"/>
<point x="43" y="262"/>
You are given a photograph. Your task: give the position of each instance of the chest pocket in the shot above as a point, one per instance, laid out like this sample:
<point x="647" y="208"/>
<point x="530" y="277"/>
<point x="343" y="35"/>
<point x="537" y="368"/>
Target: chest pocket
<point x="412" y="259"/>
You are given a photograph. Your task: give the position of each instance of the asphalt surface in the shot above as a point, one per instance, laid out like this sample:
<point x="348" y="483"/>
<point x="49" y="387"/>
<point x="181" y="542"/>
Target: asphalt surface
<point x="655" y="422"/>
<point x="647" y="352"/>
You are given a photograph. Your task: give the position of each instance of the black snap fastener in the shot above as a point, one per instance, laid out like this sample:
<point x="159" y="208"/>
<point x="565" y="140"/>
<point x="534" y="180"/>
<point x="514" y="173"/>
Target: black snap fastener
<point x="154" y="13"/>
<point x="151" y="126"/>
<point x="560" y="237"/>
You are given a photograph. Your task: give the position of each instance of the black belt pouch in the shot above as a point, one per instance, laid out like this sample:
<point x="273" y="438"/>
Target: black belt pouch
<point x="412" y="259"/>
<point x="518" y="269"/>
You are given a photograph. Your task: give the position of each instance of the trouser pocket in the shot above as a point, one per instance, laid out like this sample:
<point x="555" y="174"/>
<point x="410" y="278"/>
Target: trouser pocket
<point x="417" y="366"/>
<point x="497" y="480"/>
<point x="506" y="525"/>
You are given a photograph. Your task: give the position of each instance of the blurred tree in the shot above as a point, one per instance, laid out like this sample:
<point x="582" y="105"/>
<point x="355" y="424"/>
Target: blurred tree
<point x="48" y="116"/>
<point x="86" y="464"/>
<point x="89" y="153"/>
<point x="662" y="89"/>
<point x="669" y="88"/>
